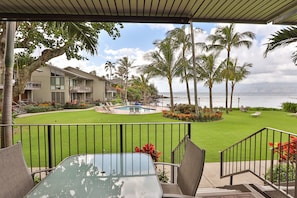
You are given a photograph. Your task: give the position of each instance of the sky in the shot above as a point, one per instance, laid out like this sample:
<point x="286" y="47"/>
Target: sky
<point x="137" y="39"/>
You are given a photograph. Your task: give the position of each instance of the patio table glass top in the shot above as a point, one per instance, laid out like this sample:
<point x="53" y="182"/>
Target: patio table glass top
<point x="101" y="175"/>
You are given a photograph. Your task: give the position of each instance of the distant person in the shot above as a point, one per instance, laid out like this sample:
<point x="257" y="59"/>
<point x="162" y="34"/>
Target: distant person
<point x="243" y="109"/>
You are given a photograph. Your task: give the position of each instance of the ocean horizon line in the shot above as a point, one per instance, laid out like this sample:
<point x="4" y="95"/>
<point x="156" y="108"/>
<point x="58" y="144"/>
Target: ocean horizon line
<point x="249" y="99"/>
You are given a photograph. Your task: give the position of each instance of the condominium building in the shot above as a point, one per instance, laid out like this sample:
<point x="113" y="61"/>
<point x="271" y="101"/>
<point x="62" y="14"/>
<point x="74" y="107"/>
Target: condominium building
<point x="67" y="85"/>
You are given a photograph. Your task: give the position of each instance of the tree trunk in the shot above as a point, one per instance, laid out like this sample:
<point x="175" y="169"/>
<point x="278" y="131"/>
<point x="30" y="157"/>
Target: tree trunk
<point x="188" y="91"/>
<point x="226" y="104"/>
<point x="227" y="78"/>
<point x="231" y="95"/>
<point x="194" y="71"/>
<point x="210" y="99"/>
<point x="144" y="97"/>
<point x="171" y="96"/>
<point x="6" y="132"/>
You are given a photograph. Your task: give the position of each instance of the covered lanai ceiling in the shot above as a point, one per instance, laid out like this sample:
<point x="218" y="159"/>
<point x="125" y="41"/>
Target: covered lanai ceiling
<point x="153" y="11"/>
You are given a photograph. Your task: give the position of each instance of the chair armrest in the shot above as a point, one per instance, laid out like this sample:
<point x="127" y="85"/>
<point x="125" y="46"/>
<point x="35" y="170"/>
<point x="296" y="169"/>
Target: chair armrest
<point x="168" y="164"/>
<point x="176" y="196"/>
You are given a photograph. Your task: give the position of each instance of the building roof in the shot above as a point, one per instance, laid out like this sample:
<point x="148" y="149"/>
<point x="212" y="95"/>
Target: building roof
<point x="85" y="74"/>
<point x="153" y="11"/>
<point x="67" y="72"/>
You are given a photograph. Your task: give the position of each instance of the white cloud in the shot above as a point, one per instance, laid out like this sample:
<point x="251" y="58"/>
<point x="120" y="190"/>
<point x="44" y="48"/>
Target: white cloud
<point x="276" y="67"/>
<point x="157" y="26"/>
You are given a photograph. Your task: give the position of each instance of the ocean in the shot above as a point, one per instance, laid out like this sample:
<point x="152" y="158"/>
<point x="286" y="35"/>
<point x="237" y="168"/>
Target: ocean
<point x="272" y="100"/>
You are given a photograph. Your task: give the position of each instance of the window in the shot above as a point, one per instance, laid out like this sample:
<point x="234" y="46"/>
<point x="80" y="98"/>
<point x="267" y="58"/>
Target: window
<point x="57" y="83"/>
<point x="58" y="97"/>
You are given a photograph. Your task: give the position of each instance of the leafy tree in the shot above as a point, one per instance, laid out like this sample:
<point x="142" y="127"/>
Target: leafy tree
<point x="237" y="73"/>
<point x="56" y="39"/>
<point x="134" y="93"/>
<point x="142" y="83"/>
<point x="283" y="38"/>
<point x="51" y="39"/>
<point x="225" y="38"/>
<point x="124" y="66"/>
<point x="163" y="63"/>
<point x="209" y="72"/>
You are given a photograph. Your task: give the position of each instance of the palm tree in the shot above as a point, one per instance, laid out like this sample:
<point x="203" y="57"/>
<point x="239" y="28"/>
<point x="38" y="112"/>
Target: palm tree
<point x="283" y="38"/>
<point x="208" y="71"/>
<point x="124" y="66"/>
<point x="163" y="63"/>
<point x="226" y="38"/>
<point x="180" y="38"/>
<point x="109" y="67"/>
<point x="237" y="73"/>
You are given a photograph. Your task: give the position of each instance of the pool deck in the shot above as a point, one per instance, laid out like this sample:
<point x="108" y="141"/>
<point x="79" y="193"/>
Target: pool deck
<point x="115" y="110"/>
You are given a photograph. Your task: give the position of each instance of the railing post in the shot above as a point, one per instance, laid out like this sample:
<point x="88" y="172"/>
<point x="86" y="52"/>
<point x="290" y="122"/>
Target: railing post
<point x="221" y="164"/>
<point x="189" y="130"/>
<point x="172" y="168"/>
<point x="271" y="166"/>
<point x="121" y="138"/>
<point x="231" y="180"/>
<point x="49" y="139"/>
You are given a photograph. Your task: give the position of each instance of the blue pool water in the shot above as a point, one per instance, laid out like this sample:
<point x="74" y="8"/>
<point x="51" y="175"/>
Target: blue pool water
<point x="135" y="108"/>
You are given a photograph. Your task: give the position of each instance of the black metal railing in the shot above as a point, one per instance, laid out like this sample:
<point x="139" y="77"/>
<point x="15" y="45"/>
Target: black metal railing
<point x="270" y="154"/>
<point x="45" y="145"/>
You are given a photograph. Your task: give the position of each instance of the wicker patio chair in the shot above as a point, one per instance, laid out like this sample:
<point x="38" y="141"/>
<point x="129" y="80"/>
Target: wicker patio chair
<point x="189" y="173"/>
<point x="15" y="178"/>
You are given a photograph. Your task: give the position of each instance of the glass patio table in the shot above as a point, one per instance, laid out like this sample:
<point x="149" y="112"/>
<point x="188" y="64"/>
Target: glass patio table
<point x="101" y="175"/>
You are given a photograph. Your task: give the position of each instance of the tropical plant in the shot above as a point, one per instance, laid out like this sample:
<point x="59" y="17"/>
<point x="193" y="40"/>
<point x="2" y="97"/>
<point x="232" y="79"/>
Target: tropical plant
<point x="225" y="38"/>
<point x="183" y="40"/>
<point x="237" y="73"/>
<point x="289" y="107"/>
<point x="142" y="84"/>
<point x="124" y="66"/>
<point x="109" y="67"/>
<point x="210" y="72"/>
<point x="163" y="63"/>
<point x="287" y="150"/>
<point x="282" y="38"/>
<point x="149" y="149"/>
<point x="281" y="173"/>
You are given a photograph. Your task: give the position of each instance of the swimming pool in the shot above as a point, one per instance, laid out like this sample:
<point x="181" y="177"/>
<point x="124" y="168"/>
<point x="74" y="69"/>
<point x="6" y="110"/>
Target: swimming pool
<point x="136" y="109"/>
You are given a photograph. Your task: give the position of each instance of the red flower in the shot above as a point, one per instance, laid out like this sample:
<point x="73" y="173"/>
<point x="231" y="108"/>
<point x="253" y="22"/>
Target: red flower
<point x="149" y="149"/>
<point x="137" y="149"/>
<point x="287" y="151"/>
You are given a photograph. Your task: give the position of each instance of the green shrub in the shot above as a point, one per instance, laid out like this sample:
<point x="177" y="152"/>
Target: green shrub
<point x="162" y="175"/>
<point x="36" y="109"/>
<point x="185" y="108"/>
<point x="289" y="107"/>
<point x="117" y="100"/>
<point x="281" y="173"/>
<point x="204" y="116"/>
<point x="81" y="105"/>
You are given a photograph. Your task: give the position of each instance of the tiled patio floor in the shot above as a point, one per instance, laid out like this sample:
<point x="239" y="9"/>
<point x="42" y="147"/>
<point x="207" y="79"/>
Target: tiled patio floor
<point x="211" y="177"/>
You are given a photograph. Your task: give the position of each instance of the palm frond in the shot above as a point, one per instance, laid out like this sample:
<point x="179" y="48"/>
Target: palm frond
<point x="281" y="38"/>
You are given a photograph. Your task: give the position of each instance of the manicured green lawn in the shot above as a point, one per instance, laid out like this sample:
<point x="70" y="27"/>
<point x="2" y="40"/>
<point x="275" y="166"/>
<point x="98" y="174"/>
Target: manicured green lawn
<point x="213" y="136"/>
